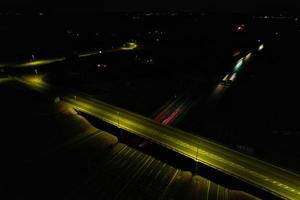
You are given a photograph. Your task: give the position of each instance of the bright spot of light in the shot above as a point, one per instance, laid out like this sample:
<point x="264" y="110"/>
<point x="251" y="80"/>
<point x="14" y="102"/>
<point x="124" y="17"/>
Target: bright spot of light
<point x="225" y="77"/>
<point x="232" y="78"/>
<point x="238" y="64"/>
<point x="248" y="56"/>
<point x="260" y="47"/>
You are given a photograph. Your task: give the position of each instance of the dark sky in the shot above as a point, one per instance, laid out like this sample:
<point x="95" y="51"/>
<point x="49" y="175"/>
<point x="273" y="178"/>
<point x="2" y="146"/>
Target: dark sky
<point x="144" y="5"/>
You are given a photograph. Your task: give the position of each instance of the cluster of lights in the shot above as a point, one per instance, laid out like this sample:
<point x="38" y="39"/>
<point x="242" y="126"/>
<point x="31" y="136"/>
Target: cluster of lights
<point x="240" y="27"/>
<point x="101" y="66"/>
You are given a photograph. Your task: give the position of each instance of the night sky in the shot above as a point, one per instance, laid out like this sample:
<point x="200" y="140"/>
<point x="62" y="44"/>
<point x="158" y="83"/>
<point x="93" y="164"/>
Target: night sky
<point x="146" y="5"/>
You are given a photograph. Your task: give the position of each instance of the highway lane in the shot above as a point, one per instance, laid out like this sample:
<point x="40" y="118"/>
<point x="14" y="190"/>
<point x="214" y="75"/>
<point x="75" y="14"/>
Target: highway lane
<point x="40" y="62"/>
<point x="261" y="174"/>
<point x="45" y="61"/>
<point x="175" y="111"/>
<point x="84" y="156"/>
<point x="276" y="180"/>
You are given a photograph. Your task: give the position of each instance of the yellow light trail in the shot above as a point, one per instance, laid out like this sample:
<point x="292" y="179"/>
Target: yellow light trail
<point x="40" y="62"/>
<point x="131" y="46"/>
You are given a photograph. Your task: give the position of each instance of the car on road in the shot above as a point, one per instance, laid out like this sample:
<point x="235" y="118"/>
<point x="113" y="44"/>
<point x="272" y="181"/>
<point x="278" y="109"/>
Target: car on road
<point x="228" y="79"/>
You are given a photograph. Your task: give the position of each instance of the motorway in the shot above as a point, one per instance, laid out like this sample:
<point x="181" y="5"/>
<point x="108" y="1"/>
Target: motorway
<point x="171" y="112"/>
<point x="40" y="62"/>
<point x="256" y="172"/>
<point x="276" y="180"/>
<point x="89" y="163"/>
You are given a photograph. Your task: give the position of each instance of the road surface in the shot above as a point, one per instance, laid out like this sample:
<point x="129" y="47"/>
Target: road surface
<point x="41" y="62"/>
<point x="279" y="181"/>
<point x="256" y="172"/>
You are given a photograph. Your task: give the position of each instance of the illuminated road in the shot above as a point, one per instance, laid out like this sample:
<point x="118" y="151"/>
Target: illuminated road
<point x="173" y="111"/>
<point x="228" y="80"/>
<point x="263" y="175"/>
<point x="39" y="62"/>
<point x="278" y="181"/>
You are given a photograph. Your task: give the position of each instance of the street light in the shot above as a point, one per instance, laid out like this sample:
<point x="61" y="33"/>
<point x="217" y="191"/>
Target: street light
<point x="118" y="119"/>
